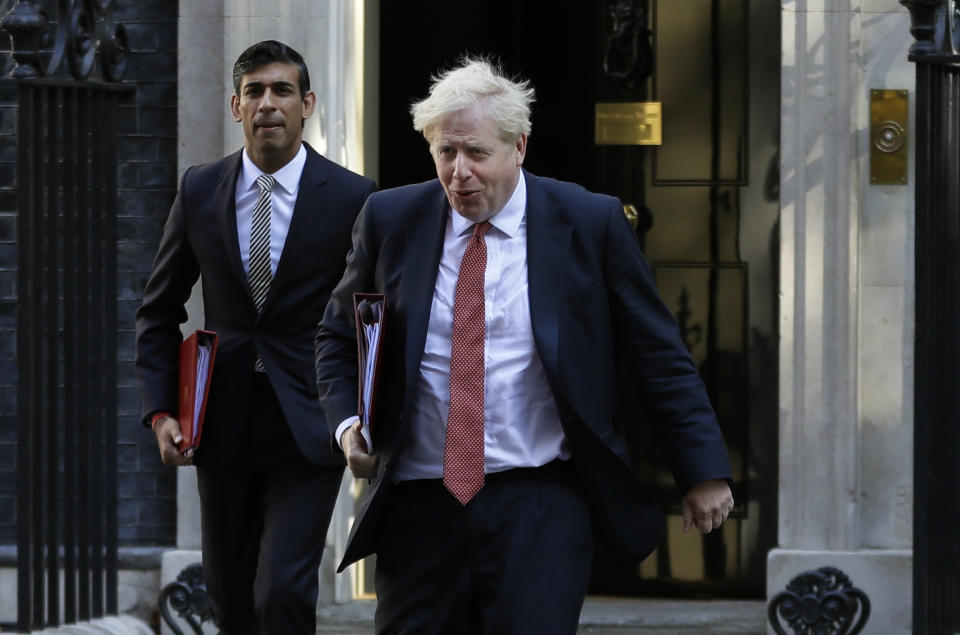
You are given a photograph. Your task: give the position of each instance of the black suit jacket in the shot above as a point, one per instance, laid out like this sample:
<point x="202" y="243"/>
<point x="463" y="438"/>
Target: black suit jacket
<point x="200" y="239"/>
<point x="593" y="305"/>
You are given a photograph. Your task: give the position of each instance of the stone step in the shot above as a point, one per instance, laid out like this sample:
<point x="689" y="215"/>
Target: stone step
<point x="622" y="616"/>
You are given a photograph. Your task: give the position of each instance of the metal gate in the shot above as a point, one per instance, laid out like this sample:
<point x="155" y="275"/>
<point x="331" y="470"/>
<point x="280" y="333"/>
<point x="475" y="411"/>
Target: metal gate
<point x="66" y="313"/>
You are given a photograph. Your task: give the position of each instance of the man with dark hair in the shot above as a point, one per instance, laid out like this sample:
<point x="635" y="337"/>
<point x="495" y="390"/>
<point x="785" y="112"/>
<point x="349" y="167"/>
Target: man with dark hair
<point x="266" y="230"/>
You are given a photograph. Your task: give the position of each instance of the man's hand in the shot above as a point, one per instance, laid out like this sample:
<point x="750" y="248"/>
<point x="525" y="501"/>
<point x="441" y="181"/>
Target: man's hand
<point x="361" y="463"/>
<point x="168" y="434"/>
<point x="707" y="505"/>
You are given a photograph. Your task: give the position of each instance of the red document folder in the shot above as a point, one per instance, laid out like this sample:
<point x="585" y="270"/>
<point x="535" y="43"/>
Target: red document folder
<point x="370" y="315"/>
<point x="197" y="353"/>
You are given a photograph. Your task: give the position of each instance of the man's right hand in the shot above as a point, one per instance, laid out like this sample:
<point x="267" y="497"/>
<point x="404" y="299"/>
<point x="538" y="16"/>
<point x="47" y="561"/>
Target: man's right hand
<point x="168" y="434"/>
<point x="361" y="463"/>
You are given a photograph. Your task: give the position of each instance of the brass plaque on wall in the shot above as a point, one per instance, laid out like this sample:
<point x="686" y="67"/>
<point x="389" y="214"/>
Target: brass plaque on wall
<point x="635" y="123"/>
<point x="888" y="137"/>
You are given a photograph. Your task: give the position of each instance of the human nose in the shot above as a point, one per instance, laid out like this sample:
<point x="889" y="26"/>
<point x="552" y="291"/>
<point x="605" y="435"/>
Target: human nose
<point x="266" y="102"/>
<point x="461" y="167"/>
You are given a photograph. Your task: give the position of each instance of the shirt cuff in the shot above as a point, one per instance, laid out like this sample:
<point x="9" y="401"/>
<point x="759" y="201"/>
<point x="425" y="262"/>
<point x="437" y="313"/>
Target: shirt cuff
<point x="346" y="423"/>
<point x="157" y="416"/>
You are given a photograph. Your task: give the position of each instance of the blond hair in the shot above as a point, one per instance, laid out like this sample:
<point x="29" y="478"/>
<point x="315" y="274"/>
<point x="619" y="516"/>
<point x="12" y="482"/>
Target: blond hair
<point x="476" y="81"/>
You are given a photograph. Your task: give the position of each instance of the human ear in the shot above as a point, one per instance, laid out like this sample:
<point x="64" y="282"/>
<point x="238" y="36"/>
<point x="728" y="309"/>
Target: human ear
<point x="521" y="149"/>
<point x="309" y="103"/>
<point x="235" y="107"/>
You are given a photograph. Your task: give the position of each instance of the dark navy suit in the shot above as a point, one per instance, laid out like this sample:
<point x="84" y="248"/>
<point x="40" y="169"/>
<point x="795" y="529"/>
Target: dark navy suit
<point x="593" y="306"/>
<point x="264" y="434"/>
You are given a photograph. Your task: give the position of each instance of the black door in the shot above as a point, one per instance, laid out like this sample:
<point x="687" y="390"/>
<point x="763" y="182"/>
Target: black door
<point x="704" y="202"/>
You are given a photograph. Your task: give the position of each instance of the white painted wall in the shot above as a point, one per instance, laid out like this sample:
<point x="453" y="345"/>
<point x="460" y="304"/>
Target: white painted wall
<point x="332" y="37"/>
<point x="846" y="354"/>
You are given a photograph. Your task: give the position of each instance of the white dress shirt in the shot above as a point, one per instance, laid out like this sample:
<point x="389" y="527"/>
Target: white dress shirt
<point x="282" y="202"/>
<point x="521" y="424"/>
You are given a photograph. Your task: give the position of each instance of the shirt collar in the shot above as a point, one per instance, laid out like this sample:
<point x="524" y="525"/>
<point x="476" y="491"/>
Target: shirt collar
<point x="287" y="177"/>
<point x="507" y="219"/>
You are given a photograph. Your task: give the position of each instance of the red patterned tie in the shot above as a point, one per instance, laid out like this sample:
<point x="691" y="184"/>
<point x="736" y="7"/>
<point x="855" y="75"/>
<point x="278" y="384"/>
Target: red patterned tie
<point x="463" y="452"/>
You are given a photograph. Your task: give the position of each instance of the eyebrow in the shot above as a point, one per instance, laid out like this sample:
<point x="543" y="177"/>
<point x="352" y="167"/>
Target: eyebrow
<point x="277" y="84"/>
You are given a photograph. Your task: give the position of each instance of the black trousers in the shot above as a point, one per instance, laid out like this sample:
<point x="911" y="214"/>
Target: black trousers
<point x="515" y="559"/>
<point x="264" y="525"/>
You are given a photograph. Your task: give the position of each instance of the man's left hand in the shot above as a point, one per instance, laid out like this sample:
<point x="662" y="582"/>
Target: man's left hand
<point x="707" y="505"/>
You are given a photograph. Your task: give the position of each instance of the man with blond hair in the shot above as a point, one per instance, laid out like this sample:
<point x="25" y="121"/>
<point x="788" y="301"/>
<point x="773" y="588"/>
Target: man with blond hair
<point x="496" y="459"/>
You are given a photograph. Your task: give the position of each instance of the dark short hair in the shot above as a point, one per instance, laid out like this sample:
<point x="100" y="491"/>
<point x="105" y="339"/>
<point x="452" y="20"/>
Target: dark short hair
<point x="268" y="52"/>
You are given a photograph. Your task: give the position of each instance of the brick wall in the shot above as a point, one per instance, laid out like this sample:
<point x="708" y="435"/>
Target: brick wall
<point x="8" y="307"/>
<point x="147" y="183"/>
<point x="146" y="180"/>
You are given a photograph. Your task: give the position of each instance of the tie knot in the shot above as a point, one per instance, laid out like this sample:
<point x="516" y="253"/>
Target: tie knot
<point x="480" y="229"/>
<point x="266" y="182"/>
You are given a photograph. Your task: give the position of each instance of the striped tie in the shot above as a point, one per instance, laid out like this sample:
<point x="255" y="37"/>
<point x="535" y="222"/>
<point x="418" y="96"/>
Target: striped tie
<point x="260" y="248"/>
<point x="260" y="242"/>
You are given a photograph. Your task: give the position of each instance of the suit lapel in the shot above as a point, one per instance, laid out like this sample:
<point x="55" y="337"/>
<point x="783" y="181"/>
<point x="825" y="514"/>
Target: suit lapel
<point x="424" y="244"/>
<point x="306" y="211"/>
<point x="225" y="204"/>
<point x="548" y="242"/>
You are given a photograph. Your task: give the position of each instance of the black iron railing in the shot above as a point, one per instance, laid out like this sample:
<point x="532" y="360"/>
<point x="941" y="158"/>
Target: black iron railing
<point x="935" y="24"/>
<point x="66" y="406"/>
<point x="66" y="312"/>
